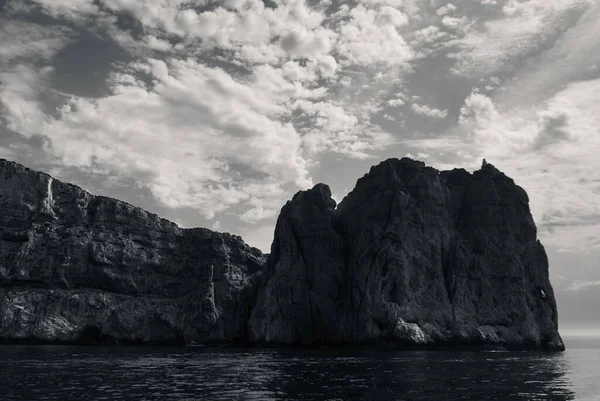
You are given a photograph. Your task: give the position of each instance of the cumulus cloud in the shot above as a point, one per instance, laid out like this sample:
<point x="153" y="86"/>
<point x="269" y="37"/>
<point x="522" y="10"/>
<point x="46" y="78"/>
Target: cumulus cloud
<point x="478" y="108"/>
<point x="202" y="139"/>
<point x="223" y="104"/>
<point x="430" y="39"/>
<point x="157" y="44"/>
<point x="337" y="129"/>
<point x="424" y="110"/>
<point x="396" y="102"/>
<point x="372" y="36"/>
<point x="453" y="23"/>
<point x="445" y="10"/>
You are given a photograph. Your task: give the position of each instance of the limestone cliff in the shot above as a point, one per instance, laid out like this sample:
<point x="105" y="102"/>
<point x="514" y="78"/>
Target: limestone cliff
<point x="81" y="268"/>
<point x="411" y="256"/>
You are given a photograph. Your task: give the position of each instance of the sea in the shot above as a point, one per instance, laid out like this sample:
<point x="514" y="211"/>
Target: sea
<point x="41" y="372"/>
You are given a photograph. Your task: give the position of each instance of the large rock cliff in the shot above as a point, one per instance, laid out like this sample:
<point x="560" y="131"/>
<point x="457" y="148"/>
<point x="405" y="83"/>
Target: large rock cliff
<point x="411" y="257"/>
<point x="81" y="268"/>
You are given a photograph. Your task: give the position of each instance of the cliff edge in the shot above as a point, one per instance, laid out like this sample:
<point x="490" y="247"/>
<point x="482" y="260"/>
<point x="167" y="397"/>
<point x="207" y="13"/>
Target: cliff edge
<point x="78" y="268"/>
<point x="412" y="257"/>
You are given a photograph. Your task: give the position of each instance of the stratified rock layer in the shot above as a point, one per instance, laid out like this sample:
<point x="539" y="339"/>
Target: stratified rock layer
<point x="411" y="256"/>
<point x="81" y="268"/>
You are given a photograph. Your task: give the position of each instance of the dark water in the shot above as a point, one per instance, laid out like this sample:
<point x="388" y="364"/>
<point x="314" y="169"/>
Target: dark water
<point x="141" y="373"/>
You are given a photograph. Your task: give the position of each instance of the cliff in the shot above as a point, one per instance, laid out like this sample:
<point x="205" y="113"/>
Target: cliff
<point x="411" y="257"/>
<point x="81" y="268"/>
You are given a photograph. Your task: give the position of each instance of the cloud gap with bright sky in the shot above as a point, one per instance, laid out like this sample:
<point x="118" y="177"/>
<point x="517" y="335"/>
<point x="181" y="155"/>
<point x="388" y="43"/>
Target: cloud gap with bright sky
<point x="214" y="113"/>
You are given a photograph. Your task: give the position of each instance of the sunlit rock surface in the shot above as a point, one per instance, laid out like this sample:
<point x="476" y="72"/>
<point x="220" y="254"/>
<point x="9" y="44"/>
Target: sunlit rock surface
<point x="81" y="268"/>
<point x="411" y="255"/>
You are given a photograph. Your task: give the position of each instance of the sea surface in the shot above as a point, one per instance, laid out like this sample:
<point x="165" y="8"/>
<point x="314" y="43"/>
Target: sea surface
<point x="196" y="373"/>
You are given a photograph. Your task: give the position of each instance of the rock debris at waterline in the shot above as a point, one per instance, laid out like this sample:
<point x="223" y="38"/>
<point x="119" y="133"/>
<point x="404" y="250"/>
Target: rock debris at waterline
<point x="412" y="257"/>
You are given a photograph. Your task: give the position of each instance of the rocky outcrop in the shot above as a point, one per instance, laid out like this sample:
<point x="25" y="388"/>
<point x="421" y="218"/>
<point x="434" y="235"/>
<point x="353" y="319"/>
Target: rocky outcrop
<point x="299" y="302"/>
<point x="411" y="256"/>
<point x="81" y="268"/>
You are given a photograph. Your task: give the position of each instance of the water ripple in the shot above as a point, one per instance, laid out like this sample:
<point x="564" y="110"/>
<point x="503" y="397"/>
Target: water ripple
<point x="111" y="373"/>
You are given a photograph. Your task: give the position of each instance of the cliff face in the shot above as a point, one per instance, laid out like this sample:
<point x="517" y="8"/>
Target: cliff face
<point x="80" y="268"/>
<point x="411" y="256"/>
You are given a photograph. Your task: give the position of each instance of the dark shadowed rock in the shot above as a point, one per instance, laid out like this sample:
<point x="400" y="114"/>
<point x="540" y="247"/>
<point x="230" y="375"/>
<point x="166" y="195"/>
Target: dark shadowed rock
<point x="77" y="267"/>
<point x="299" y="304"/>
<point x="410" y="256"/>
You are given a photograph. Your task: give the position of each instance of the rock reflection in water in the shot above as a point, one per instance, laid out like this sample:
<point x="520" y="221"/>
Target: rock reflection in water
<point x="65" y="373"/>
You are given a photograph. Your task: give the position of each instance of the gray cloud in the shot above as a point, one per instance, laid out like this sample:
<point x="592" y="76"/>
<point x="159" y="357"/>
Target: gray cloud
<point x="553" y="129"/>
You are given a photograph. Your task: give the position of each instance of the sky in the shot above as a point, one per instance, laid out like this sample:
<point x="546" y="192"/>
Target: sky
<point x="214" y="113"/>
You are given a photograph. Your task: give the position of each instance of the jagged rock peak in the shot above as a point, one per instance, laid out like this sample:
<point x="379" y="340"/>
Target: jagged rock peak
<point x="411" y="254"/>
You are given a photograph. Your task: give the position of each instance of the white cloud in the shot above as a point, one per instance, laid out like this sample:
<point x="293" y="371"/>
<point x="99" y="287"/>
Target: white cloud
<point x="371" y="36"/>
<point x="424" y="110"/>
<point x="396" y="102"/>
<point x="453" y="23"/>
<point x="447" y="9"/>
<point x="200" y="138"/>
<point x="19" y="91"/>
<point x="429" y="40"/>
<point x="23" y="40"/>
<point x="578" y="285"/>
<point x="303" y="42"/>
<point x="205" y="137"/>
<point x="478" y="108"/>
<point x="257" y="211"/>
<point x="157" y="44"/>
<point x="255" y="33"/>
<point x="572" y="57"/>
<point x="310" y="71"/>
<point x="526" y="27"/>
<point x="337" y="129"/>
<point x="327" y="116"/>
